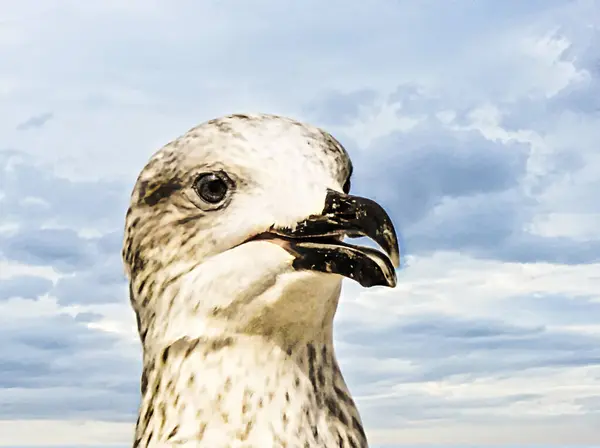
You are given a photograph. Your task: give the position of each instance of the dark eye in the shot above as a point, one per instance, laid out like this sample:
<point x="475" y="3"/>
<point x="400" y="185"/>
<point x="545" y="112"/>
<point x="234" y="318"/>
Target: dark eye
<point x="211" y="187"/>
<point x="346" y="187"/>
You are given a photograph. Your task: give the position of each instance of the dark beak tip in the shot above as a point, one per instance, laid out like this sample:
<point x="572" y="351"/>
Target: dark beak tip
<point x="393" y="280"/>
<point x="395" y="258"/>
<point x="384" y="280"/>
<point x="390" y="246"/>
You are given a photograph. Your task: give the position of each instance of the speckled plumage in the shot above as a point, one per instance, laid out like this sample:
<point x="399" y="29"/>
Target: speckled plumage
<point x="238" y="347"/>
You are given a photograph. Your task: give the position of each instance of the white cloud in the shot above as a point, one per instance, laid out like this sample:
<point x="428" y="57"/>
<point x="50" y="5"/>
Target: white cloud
<point x="64" y="433"/>
<point x="557" y="431"/>
<point x="464" y="286"/>
<point x="120" y="79"/>
<point x="579" y="226"/>
<point x="478" y="292"/>
<point x="11" y="269"/>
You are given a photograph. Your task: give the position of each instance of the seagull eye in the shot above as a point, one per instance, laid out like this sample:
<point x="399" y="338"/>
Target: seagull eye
<point x="211" y="187"/>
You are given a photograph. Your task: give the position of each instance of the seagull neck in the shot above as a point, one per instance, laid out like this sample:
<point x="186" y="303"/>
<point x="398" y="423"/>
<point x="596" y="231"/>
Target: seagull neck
<point x="250" y="387"/>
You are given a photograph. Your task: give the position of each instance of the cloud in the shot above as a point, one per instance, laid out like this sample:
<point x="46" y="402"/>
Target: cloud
<point x="35" y="122"/>
<point x="105" y="282"/>
<point x="431" y="164"/>
<point x="475" y="124"/>
<point x="561" y="309"/>
<point x="484" y="177"/>
<point x="57" y="363"/>
<point x="24" y="286"/>
<point x="440" y="347"/>
<point x="449" y="373"/>
<point x="62" y="248"/>
<point x="51" y="215"/>
<point x="35" y="194"/>
<point x="337" y="108"/>
<point x="461" y="340"/>
<point x="46" y="433"/>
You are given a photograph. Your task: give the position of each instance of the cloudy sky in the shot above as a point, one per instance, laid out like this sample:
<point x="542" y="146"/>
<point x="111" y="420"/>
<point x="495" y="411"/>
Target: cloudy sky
<point x="476" y="123"/>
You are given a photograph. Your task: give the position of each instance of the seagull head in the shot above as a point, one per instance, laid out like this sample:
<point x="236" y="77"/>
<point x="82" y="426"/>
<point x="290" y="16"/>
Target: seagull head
<point x="238" y="226"/>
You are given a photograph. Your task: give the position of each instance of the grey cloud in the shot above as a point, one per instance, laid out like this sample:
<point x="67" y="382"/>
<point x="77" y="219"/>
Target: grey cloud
<point x="583" y="96"/>
<point x="110" y="243"/>
<point x="58" y="365"/>
<point x="94" y="262"/>
<point x="24" y="286"/>
<point x="553" y="308"/>
<point x="457" y="191"/>
<point x="35" y="122"/>
<point x="528" y="248"/>
<point x="410" y="100"/>
<point x="336" y="108"/>
<point x="70" y="402"/>
<point x="259" y="47"/>
<point x="492" y="226"/>
<point x="404" y="409"/>
<point x="407" y="410"/>
<point x="87" y="317"/>
<point x="478" y="223"/>
<point x="104" y="282"/>
<point x="591" y="403"/>
<point x="442" y="346"/>
<point x="415" y="171"/>
<point x="94" y="265"/>
<point x="100" y="204"/>
<point x="63" y="249"/>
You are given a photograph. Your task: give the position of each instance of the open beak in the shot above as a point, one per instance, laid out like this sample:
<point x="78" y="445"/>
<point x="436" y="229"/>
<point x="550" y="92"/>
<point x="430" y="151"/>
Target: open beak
<point x="316" y="242"/>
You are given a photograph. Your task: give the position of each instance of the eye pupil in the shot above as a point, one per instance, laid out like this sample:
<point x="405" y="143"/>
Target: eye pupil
<point x="211" y="188"/>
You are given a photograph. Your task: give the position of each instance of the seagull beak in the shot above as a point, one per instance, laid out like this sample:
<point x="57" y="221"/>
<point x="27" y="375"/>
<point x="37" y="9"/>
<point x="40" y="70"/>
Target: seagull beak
<point x="316" y="242"/>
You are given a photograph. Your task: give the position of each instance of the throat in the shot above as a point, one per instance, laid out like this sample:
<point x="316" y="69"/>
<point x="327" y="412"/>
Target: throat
<point x="249" y="390"/>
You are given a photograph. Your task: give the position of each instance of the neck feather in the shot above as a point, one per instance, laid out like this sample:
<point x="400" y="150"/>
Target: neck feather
<point x="249" y="390"/>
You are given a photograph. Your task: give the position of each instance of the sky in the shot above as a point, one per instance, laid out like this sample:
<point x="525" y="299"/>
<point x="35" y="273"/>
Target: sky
<point x="475" y="123"/>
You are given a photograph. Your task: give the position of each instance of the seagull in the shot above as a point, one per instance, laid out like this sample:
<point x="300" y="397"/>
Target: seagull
<point x="235" y="257"/>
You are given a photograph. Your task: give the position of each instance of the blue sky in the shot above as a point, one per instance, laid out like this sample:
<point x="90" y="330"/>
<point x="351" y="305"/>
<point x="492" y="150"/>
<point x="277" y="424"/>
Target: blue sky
<point x="477" y="124"/>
